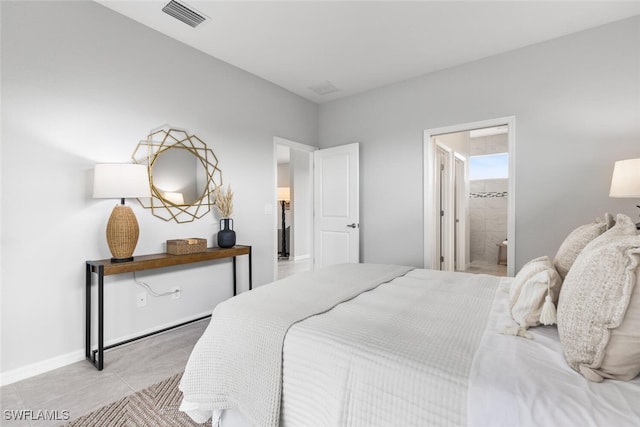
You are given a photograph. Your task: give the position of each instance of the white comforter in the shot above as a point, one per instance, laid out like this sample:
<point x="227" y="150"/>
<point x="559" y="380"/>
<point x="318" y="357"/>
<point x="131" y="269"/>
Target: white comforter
<point x="399" y="355"/>
<point x="237" y="363"/>
<point x="424" y="349"/>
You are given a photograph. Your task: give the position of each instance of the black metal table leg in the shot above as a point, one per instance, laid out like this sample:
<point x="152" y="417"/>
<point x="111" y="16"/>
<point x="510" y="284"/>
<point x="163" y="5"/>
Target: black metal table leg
<point x="100" y="318"/>
<point x="250" y="272"/>
<point x="234" y="277"/>
<point x="87" y="342"/>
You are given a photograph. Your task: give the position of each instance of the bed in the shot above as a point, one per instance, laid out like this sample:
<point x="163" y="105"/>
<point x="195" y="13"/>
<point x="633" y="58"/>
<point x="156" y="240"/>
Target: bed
<point x="381" y="345"/>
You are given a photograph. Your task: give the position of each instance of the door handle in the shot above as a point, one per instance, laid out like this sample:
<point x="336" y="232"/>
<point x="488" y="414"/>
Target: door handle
<point x="354" y="225"/>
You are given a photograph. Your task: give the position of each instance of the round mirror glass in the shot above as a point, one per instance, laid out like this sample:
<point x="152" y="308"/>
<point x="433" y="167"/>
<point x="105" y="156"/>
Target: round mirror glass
<point x="178" y="176"/>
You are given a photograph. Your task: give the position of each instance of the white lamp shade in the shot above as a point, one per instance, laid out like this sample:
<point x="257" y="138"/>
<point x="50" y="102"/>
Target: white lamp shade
<point x="284" y="193"/>
<point x="117" y="181"/>
<point x="625" y="181"/>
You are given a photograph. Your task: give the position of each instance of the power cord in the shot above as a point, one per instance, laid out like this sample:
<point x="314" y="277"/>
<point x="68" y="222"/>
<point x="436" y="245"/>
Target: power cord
<point x="151" y="291"/>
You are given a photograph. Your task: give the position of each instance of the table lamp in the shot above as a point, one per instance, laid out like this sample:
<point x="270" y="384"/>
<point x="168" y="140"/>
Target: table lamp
<point x="625" y="181"/>
<point x="120" y="181"/>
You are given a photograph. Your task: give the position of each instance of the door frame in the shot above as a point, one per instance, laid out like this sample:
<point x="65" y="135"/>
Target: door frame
<point x="461" y="210"/>
<point x="429" y="214"/>
<point x="294" y="146"/>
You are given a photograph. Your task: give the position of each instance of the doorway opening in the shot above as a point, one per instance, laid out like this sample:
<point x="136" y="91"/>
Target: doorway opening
<point x="293" y="194"/>
<point x="469" y="197"/>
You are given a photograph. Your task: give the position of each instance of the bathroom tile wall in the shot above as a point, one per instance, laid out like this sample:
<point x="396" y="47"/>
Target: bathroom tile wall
<point x="488" y="215"/>
<point x="488" y="204"/>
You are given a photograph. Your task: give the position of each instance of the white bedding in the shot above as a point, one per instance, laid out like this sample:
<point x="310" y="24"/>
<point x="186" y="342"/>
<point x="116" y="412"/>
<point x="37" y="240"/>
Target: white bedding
<point x="423" y="349"/>
<point x="399" y="355"/>
<point x="237" y="363"/>
<point x="520" y="382"/>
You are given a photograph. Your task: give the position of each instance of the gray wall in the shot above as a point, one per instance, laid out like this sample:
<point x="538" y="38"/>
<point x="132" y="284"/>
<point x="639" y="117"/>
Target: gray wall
<point x="81" y="85"/>
<point x="576" y="101"/>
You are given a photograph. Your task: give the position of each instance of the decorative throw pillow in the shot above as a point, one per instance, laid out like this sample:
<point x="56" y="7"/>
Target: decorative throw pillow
<point x="535" y="304"/>
<point x="623" y="226"/>
<point x="609" y="220"/>
<point x="525" y="274"/>
<point x="574" y="243"/>
<point x="599" y="310"/>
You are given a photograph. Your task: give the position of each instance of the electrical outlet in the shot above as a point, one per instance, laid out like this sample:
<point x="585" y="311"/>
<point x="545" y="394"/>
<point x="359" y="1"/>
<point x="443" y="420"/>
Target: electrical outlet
<point x="176" y="292"/>
<point x="141" y="299"/>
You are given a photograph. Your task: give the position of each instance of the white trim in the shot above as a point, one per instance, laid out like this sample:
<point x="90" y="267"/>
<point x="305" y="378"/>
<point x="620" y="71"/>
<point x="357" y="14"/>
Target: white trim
<point x="462" y="201"/>
<point x="429" y="180"/>
<point x="300" y="147"/>
<point x="47" y="365"/>
<point x="41" y="367"/>
<point x="294" y="145"/>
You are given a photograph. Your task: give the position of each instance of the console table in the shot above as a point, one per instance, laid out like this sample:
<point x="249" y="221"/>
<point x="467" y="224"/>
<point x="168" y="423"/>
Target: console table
<point x="145" y="262"/>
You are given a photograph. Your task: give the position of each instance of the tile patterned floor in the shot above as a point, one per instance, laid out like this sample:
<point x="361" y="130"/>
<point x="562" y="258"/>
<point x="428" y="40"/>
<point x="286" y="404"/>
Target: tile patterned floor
<point x="79" y="388"/>
<point x="289" y="267"/>
<point x="486" y="268"/>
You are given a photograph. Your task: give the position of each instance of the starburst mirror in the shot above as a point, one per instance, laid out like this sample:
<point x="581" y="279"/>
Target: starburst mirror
<point x="183" y="174"/>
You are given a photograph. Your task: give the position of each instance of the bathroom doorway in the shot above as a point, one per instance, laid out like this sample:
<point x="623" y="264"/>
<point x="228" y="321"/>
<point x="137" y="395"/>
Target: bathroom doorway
<point x="469" y="198"/>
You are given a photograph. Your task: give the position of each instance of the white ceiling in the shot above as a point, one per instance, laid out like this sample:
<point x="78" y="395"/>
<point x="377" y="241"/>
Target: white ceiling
<point x="360" y="45"/>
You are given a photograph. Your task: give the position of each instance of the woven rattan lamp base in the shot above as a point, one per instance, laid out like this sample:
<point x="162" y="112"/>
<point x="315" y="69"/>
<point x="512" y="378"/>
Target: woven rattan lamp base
<point x="122" y="233"/>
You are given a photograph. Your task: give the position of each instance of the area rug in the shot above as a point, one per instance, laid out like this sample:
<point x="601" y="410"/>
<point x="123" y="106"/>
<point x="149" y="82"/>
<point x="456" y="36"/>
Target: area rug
<point x="155" y="406"/>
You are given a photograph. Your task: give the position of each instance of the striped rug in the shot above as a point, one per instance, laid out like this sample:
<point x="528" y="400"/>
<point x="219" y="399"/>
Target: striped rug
<point x="155" y="406"/>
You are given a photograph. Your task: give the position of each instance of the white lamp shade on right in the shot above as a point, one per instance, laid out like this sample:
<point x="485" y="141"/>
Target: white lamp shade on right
<point x="625" y="181"/>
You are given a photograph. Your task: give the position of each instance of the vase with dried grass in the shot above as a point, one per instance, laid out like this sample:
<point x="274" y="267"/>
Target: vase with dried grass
<point x="224" y="203"/>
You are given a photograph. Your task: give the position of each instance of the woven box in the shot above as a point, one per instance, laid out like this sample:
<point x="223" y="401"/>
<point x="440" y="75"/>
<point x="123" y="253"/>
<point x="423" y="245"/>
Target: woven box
<point x="186" y="246"/>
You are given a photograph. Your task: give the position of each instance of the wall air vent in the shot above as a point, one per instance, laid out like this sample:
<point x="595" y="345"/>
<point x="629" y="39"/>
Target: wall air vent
<point x="184" y="13"/>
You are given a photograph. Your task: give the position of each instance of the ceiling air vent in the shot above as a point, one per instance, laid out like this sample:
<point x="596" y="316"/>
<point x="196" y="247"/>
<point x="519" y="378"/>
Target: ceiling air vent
<point x="324" y="88"/>
<point x="184" y="13"/>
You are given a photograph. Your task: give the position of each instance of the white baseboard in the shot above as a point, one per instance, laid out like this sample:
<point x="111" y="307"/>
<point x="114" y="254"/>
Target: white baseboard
<point x="41" y="367"/>
<point x="47" y="365"/>
<point x="301" y="257"/>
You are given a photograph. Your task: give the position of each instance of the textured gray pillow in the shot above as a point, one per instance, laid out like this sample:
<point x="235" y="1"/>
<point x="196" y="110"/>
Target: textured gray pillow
<point x="623" y="226"/>
<point x="574" y="243"/>
<point x="599" y="310"/>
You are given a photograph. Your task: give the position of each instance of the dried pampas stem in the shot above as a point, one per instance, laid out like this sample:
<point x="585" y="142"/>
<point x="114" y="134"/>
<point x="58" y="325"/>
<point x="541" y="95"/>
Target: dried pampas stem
<point x="224" y="201"/>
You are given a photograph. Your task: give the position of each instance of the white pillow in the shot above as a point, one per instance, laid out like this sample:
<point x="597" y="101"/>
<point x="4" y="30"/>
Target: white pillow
<point x="543" y="288"/>
<point x="527" y="271"/>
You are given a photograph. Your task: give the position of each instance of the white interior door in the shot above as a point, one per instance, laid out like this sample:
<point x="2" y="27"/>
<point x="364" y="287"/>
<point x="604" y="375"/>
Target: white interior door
<point x="444" y="208"/>
<point x="336" y="205"/>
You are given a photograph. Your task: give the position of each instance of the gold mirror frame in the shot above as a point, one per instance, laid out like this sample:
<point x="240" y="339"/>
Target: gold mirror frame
<point x="148" y="152"/>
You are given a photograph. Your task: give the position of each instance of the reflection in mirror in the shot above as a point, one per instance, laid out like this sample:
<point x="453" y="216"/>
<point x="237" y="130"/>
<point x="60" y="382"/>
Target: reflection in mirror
<point x="183" y="174"/>
<point x="179" y="177"/>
